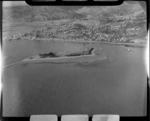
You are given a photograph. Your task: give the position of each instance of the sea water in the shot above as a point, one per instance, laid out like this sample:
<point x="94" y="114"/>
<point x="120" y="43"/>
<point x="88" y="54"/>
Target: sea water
<point x="116" y="85"/>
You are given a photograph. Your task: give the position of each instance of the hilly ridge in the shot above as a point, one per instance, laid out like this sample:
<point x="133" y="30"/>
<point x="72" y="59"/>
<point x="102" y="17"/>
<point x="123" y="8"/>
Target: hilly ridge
<point x="40" y="13"/>
<point x="45" y="13"/>
<point x="80" y="23"/>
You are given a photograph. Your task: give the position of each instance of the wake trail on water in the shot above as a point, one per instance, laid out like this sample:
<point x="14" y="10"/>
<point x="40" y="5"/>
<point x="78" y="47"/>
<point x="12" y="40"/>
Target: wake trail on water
<point x="18" y="62"/>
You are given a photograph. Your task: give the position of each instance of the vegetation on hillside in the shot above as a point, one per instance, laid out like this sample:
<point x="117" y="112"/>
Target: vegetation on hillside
<point x="122" y="23"/>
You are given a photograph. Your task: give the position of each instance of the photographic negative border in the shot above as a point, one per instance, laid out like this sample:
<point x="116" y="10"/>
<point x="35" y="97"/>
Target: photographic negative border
<point x="70" y="3"/>
<point x="85" y="3"/>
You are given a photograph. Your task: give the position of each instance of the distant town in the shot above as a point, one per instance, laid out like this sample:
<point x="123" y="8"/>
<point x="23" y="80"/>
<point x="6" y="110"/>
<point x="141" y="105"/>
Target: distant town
<point x="124" y="26"/>
<point x="124" y="31"/>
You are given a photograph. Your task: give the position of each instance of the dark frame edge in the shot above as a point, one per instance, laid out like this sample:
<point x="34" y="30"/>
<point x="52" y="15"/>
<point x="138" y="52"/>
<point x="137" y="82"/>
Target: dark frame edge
<point x="70" y="3"/>
<point x="122" y="118"/>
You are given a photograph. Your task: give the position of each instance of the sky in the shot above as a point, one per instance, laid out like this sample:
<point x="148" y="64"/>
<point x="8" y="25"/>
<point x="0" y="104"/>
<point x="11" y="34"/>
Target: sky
<point x="13" y="3"/>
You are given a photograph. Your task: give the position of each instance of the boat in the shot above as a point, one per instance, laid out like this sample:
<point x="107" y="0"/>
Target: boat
<point x="51" y="57"/>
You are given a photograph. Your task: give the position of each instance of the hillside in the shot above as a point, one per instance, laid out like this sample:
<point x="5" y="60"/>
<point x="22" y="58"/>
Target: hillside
<point x="44" y="13"/>
<point x="40" y="13"/>
<point x="87" y="23"/>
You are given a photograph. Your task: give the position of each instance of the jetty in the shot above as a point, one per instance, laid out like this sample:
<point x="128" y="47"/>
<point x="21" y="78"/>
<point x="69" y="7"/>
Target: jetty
<point x="85" y="56"/>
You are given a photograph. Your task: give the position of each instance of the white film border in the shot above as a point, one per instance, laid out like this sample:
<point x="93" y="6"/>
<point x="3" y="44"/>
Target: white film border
<point x="78" y="117"/>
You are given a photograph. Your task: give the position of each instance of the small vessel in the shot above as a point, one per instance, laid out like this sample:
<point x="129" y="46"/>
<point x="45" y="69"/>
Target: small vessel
<point x="129" y="49"/>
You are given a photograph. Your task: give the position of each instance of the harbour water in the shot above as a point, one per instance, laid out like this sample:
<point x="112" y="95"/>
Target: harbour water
<point x="116" y="85"/>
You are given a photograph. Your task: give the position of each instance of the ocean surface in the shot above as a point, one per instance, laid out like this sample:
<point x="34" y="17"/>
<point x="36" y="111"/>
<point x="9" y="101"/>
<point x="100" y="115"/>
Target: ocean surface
<point x="116" y="85"/>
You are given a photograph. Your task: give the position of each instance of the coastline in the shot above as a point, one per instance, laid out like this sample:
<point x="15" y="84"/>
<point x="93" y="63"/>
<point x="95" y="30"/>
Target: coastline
<point x="112" y="43"/>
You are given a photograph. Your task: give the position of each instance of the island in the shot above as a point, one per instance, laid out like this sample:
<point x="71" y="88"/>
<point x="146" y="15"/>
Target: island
<point x="84" y="56"/>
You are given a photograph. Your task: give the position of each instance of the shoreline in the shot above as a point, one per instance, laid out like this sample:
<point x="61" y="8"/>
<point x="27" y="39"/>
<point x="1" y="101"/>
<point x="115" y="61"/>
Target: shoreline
<point x="112" y="43"/>
<point x="83" y="41"/>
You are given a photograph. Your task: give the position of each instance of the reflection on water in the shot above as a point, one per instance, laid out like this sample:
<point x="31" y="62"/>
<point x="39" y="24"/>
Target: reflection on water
<point x="113" y="86"/>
